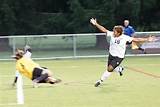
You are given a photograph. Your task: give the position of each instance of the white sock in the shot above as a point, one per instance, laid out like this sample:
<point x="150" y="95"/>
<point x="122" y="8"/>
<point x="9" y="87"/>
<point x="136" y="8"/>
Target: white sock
<point x="105" y="75"/>
<point x="118" y="69"/>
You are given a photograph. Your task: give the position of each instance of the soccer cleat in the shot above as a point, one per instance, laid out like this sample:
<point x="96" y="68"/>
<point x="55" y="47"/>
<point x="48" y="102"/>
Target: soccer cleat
<point x="120" y="72"/>
<point x="56" y="81"/>
<point x="98" y="83"/>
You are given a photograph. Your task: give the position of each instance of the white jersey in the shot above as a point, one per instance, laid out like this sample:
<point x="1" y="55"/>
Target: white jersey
<point x="118" y="44"/>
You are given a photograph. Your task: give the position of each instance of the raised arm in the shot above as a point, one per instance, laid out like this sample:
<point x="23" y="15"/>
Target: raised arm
<point x="100" y="27"/>
<point x="148" y="39"/>
<point x="28" y="51"/>
<point x="15" y="79"/>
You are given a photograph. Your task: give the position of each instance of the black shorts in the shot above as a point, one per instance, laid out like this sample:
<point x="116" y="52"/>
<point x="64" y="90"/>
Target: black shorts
<point x="37" y="72"/>
<point x="114" y="61"/>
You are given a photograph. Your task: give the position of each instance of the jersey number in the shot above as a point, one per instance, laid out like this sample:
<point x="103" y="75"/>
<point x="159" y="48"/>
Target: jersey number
<point x="117" y="41"/>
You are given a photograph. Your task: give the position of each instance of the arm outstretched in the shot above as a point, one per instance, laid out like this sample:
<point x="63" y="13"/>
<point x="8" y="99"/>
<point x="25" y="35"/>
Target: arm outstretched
<point x="100" y="27"/>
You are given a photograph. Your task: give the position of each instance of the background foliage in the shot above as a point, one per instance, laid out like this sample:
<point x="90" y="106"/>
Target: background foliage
<point x="72" y="16"/>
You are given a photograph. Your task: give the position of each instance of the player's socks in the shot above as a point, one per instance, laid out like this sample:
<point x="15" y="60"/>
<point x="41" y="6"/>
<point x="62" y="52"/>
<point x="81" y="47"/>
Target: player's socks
<point x="35" y="85"/>
<point x="105" y="75"/>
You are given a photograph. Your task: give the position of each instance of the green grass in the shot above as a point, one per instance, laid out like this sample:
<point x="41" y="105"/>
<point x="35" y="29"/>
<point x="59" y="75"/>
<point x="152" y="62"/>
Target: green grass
<point x="133" y="89"/>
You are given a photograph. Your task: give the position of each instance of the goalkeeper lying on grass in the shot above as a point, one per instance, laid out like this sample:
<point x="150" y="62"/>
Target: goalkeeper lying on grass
<point x="26" y="66"/>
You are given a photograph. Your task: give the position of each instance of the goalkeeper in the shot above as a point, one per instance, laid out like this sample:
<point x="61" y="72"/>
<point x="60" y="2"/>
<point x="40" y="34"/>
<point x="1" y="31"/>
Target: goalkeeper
<point x="27" y="54"/>
<point x="26" y="66"/>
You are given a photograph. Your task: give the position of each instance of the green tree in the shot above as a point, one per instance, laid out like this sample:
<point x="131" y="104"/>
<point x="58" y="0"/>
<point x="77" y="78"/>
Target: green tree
<point x="149" y="14"/>
<point x="77" y="21"/>
<point x="7" y="22"/>
<point x="72" y="16"/>
<point x="7" y="18"/>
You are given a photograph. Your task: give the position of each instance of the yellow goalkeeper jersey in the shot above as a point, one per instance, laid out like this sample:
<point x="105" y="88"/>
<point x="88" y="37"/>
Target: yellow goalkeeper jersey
<point x="26" y="66"/>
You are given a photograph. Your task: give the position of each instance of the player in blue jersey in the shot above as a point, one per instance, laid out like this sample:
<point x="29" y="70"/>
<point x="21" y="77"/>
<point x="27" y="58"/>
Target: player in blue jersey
<point x="129" y="30"/>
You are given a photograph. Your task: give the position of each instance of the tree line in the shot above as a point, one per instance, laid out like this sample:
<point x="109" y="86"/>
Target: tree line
<point x="72" y="16"/>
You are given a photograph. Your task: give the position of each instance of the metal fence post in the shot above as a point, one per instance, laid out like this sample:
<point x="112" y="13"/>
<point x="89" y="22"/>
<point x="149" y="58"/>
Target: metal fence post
<point x="14" y="45"/>
<point x="74" y="46"/>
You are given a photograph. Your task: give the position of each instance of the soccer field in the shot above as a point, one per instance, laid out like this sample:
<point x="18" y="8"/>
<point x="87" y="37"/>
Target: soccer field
<point x="138" y="87"/>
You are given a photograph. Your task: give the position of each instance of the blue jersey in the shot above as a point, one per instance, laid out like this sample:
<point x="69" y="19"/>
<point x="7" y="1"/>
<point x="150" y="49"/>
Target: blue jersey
<point x="129" y="30"/>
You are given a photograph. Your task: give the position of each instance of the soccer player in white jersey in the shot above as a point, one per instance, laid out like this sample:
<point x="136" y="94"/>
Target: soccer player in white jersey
<point x="117" y="48"/>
